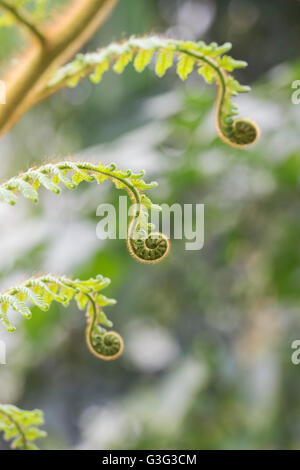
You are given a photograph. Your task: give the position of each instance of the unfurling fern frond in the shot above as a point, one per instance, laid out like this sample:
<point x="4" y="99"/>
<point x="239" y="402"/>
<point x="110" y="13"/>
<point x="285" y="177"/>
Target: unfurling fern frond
<point x="144" y="246"/>
<point x="41" y="291"/>
<point x="21" y="426"/>
<point x="211" y="61"/>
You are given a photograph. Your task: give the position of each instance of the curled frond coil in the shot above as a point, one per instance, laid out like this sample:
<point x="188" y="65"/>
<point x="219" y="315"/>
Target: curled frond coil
<point x="41" y="291"/>
<point x="211" y="61"/>
<point x="144" y="246"/>
<point x="20" y="426"/>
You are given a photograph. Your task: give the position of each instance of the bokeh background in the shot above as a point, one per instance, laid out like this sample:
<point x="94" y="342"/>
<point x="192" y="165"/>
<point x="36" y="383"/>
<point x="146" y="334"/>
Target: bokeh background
<point x="208" y="334"/>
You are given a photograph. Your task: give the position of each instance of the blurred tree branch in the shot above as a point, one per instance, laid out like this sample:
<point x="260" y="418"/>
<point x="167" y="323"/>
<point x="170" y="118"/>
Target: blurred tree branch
<point x="23" y="19"/>
<point x="61" y="40"/>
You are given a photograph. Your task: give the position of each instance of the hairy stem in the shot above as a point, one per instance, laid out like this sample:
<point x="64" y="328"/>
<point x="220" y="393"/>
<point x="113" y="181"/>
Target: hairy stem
<point x="221" y="79"/>
<point x="130" y="189"/>
<point x="91" y="323"/>
<point x="133" y="193"/>
<point x="75" y="26"/>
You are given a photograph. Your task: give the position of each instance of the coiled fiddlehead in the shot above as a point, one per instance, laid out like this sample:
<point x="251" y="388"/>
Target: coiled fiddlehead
<point x="41" y="291"/>
<point x="150" y="249"/>
<point x="210" y="59"/>
<point x="104" y="344"/>
<point x="21" y="426"/>
<point x="142" y="245"/>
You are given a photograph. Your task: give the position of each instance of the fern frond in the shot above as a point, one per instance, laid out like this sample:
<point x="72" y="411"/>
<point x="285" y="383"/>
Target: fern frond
<point x="211" y="61"/>
<point x="42" y="291"/>
<point x="21" y="426"/>
<point x="143" y="246"/>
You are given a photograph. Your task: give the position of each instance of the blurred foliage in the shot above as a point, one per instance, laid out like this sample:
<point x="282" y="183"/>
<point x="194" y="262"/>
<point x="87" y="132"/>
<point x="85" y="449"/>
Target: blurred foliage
<point x="208" y="333"/>
<point x="19" y="426"/>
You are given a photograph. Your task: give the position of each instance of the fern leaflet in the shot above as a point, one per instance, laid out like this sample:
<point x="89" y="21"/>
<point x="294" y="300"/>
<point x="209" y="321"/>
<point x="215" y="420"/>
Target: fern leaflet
<point x="21" y="426"/>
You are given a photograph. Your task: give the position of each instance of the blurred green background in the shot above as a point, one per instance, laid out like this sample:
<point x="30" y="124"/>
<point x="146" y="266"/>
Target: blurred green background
<point x="208" y="334"/>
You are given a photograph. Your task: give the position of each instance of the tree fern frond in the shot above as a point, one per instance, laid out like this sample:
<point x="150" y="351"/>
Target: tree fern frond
<point x="143" y="246"/>
<point x="211" y="61"/>
<point x="21" y="426"/>
<point x="42" y="291"/>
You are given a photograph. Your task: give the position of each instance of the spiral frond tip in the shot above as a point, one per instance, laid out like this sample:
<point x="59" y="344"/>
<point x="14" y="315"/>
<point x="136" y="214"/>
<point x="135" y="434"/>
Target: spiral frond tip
<point x="152" y="249"/>
<point x="243" y="133"/>
<point x="107" y="346"/>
